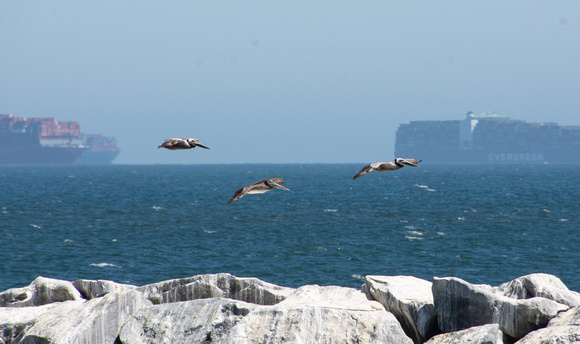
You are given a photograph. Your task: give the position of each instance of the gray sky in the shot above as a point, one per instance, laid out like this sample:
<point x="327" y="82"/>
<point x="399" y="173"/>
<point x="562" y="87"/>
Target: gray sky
<point x="284" y="82"/>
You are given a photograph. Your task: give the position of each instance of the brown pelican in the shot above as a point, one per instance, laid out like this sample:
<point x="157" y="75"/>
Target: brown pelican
<point x="387" y="166"/>
<point x="185" y="143"/>
<point x="258" y="187"/>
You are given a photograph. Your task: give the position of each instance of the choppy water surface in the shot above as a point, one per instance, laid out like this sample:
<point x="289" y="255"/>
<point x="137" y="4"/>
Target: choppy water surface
<point x="142" y="224"/>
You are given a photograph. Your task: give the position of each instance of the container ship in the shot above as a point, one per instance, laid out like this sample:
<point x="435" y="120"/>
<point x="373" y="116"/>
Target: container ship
<point x="488" y="138"/>
<point x="42" y="140"/>
<point x="101" y="150"/>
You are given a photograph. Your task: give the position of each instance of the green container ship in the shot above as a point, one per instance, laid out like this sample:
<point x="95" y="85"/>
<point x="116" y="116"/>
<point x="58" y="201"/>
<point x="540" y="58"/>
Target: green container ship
<point x="488" y="138"/>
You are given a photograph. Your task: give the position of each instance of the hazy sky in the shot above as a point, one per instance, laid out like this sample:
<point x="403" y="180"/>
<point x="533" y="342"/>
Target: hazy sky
<point x="284" y="81"/>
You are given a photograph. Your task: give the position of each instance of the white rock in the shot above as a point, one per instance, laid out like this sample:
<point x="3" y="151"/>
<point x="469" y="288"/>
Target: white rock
<point x="484" y="334"/>
<point x="461" y="305"/>
<point x="13" y="321"/>
<point x="519" y="317"/>
<point x="41" y="291"/>
<point x="311" y="314"/>
<point x="57" y="313"/>
<point x="411" y="301"/>
<point x="250" y="290"/>
<point x="198" y="321"/>
<point x="541" y="285"/>
<point x="90" y="289"/>
<point x="563" y="329"/>
<point x="95" y="321"/>
<point x="314" y="314"/>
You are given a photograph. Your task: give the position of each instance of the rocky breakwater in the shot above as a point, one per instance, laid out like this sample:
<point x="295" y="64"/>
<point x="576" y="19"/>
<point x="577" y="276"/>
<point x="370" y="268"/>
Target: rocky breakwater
<point x="222" y="308"/>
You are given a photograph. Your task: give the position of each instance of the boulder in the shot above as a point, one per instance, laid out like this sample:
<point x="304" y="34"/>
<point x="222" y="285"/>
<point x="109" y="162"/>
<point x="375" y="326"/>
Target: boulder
<point x="563" y="329"/>
<point x="13" y="321"/>
<point x="461" y="305"/>
<point x="246" y="310"/>
<point x="90" y="289"/>
<point x="41" y="291"/>
<point x="197" y="321"/>
<point x="314" y="314"/>
<point x="311" y="314"/>
<point x="409" y="299"/>
<point x="484" y="334"/>
<point x="95" y="321"/>
<point x="224" y="285"/>
<point x="519" y="317"/>
<point x="540" y="285"/>
<point x="331" y="297"/>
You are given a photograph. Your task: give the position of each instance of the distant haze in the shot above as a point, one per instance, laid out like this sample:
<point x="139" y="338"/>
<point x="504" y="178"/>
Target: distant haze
<point x="284" y="82"/>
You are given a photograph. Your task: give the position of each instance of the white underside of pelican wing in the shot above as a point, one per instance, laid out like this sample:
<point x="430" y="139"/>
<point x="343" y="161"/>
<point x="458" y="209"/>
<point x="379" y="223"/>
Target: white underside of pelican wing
<point x="258" y="191"/>
<point x="379" y="165"/>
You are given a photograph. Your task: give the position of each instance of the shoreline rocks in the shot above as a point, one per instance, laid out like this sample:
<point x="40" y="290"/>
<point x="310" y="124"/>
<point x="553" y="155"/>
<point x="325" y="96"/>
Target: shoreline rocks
<point x="222" y="308"/>
<point x="409" y="299"/>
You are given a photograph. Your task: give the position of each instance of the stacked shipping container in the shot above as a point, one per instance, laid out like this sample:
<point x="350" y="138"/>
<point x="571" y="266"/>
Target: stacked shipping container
<point x="42" y="140"/>
<point x="488" y="138"/>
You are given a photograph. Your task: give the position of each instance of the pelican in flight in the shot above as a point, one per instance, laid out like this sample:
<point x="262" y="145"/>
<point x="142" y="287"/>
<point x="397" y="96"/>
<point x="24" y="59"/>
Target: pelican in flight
<point x="185" y="143"/>
<point x="387" y="166"/>
<point x="258" y="187"/>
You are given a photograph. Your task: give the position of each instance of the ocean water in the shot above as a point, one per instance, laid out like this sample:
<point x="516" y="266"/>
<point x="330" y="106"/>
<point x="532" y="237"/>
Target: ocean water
<point x="141" y="224"/>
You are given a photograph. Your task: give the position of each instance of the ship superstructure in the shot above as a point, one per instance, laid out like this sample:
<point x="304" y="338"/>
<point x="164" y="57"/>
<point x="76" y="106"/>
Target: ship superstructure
<point x="488" y="137"/>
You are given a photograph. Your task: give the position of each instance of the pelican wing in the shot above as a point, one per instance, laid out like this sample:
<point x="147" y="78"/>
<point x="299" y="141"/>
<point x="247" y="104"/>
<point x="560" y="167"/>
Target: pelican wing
<point x="239" y="194"/>
<point x="180" y="143"/>
<point x="174" y="144"/>
<point x="368" y="168"/>
<point x="258" y="187"/>
<point x="165" y="143"/>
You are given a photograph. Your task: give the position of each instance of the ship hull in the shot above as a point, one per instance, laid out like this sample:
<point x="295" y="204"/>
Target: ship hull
<point x="39" y="155"/>
<point x="97" y="158"/>
<point x="492" y="157"/>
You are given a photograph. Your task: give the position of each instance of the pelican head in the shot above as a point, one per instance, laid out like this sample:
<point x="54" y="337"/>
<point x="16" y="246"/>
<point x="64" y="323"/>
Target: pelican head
<point x="195" y="143"/>
<point x="272" y="183"/>
<point x="411" y="162"/>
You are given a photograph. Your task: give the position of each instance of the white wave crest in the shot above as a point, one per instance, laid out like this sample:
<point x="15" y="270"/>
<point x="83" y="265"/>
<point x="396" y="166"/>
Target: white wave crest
<point x="105" y="265"/>
<point x="412" y="238"/>
<point x="424" y="187"/>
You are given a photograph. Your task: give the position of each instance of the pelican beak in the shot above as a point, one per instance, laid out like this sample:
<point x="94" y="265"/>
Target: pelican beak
<point x="279" y="186"/>
<point x="408" y="163"/>
<point x="202" y="146"/>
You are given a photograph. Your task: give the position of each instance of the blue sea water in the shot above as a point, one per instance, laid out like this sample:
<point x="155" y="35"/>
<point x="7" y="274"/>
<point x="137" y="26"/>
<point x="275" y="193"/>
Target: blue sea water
<point x="141" y="224"/>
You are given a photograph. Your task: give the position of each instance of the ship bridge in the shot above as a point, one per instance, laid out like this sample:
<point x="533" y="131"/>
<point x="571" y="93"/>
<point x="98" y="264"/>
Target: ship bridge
<point x="467" y="126"/>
